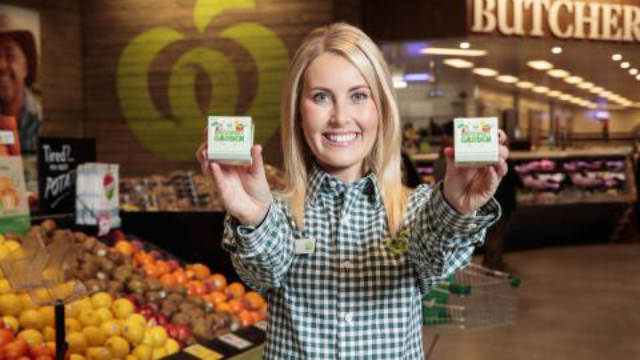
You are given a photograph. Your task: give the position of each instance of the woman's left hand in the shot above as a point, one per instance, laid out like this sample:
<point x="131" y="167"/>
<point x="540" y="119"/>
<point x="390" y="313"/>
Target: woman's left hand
<point x="466" y="188"/>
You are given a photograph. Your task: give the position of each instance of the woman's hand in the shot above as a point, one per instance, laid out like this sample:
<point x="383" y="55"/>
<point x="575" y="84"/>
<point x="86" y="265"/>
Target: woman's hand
<point x="467" y="189"/>
<point x="244" y="189"/>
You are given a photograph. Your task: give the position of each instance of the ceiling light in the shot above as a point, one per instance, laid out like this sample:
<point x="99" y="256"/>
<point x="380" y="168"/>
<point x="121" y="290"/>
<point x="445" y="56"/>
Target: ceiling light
<point x="573" y="79"/>
<point x="540" y="64"/>
<point x="607" y="94"/>
<point x="540" y="89"/>
<point x="616" y="57"/>
<point x="556" y="50"/>
<point x="565" y="97"/>
<point x="638" y="77"/>
<point x="453" y="52"/>
<point x="558" y="73"/>
<point x="585" y="85"/>
<point x="485" y="72"/>
<point x="507" y="79"/>
<point x="525" y="84"/>
<point x="399" y="84"/>
<point x="464" y="45"/>
<point x="625" y="65"/>
<point x="633" y="71"/>
<point x="458" y="63"/>
<point x="554" y="93"/>
<point x="596" y="90"/>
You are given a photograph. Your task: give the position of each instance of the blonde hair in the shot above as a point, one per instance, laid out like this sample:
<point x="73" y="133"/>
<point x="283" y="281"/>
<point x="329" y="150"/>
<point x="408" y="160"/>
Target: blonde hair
<point x="384" y="160"/>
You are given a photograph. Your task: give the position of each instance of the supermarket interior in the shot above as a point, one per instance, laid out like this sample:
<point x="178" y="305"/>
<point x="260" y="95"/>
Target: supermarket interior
<point x="111" y="234"/>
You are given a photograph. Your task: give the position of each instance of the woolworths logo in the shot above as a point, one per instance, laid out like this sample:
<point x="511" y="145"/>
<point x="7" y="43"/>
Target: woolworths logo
<point x="162" y="72"/>
<point x="475" y="133"/>
<point x="229" y="136"/>
<point x="477" y="137"/>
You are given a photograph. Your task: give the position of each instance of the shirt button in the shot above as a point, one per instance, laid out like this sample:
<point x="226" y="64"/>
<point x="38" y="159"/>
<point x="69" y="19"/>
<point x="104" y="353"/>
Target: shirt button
<point x="348" y="317"/>
<point x="347" y="265"/>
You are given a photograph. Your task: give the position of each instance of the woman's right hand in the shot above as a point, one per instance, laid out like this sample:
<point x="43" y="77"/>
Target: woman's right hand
<point x="244" y="189"/>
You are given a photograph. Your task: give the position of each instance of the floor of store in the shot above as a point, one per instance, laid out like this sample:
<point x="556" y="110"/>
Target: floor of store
<point x="574" y="303"/>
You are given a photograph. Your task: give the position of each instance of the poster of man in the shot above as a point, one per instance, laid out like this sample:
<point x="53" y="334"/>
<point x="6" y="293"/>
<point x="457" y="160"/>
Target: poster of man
<point x="19" y="59"/>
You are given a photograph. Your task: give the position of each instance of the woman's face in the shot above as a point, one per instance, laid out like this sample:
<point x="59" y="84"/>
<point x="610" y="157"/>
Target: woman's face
<point x="339" y="117"/>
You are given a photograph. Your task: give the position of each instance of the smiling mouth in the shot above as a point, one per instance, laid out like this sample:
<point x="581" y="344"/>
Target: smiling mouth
<point x="341" y="139"/>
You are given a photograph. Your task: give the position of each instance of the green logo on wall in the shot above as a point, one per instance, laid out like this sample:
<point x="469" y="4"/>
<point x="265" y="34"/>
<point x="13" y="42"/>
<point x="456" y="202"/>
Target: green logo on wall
<point x="177" y="135"/>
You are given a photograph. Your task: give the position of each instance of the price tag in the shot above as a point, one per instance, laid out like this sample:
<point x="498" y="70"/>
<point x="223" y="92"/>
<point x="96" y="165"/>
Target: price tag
<point x="7" y="138"/>
<point x="304" y="246"/>
<point x="235" y="341"/>
<point x="202" y="352"/>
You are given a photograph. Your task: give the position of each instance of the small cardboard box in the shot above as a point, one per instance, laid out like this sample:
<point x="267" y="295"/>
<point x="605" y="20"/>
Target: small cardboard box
<point x="230" y="139"/>
<point x="476" y="141"/>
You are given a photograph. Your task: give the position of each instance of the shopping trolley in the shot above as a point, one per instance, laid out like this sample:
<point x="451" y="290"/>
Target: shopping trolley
<point x="474" y="299"/>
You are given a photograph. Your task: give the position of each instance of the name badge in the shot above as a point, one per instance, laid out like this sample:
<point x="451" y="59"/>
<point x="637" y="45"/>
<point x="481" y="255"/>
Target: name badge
<point x="304" y="246"/>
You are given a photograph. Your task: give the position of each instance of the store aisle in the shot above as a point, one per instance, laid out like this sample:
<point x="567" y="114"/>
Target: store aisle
<point x="575" y="303"/>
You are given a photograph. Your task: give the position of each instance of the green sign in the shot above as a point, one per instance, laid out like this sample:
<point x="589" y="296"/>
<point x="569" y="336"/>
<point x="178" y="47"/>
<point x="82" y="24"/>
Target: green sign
<point x="177" y="135"/>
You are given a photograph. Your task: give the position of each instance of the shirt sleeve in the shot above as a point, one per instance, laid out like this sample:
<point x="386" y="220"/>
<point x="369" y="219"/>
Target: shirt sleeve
<point x="442" y="240"/>
<point x="260" y="255"/>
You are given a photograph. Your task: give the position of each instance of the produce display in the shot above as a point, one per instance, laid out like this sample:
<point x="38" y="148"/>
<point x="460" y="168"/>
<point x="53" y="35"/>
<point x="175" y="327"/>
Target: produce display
<point x="179" y="191"/>
<point x="141" y="303"/>
<point x="571" y="180"/>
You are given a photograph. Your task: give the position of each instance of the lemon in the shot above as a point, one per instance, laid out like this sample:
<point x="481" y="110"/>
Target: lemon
<point x="130" y="357"/>
<point x="159" y="353"/>
<point x="133" y="331"/>
<point x="71" y="325"/>
<point x="5" y="287"/>
<point x="171" y="346"/>
<point x="10" y="304"/>
<point x="148" y="339"/>
<point x="77" y="343"/>
<point x="142" y="352"/>
<point x="72" y="309"/>
<point x="122" y="308"/>
<point x="31" y="336"/>
<point x="76" y="357"/>
<point x="48" y="315"/>
<point x="88" y="317"/>
<point x="12" y="322"/>
<point x="117" y="346"/>
<point x="137" y="318"/>
<point x="94" y="335"/>
<point x="49" y="333"/>
<point x="26" y="301"/>
<point x="111" y="327"/>
<point x="101" y="299"/>
<point x="158" y="336"/>
<point x="12" y="245"/>
<point x="98" y="353"/>
<point x="84" y="303"/>
<point x="104" y="313"/>
<point x="31" y="319"/>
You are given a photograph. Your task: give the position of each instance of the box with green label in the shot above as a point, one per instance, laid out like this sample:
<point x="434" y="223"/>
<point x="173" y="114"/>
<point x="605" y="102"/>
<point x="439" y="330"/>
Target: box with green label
<point x="476" y="141"/>
<point x="230" y="139"/>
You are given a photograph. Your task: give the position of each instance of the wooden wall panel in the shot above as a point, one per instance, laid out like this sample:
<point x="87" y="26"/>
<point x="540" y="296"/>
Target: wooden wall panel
<point x="60" y="73"/>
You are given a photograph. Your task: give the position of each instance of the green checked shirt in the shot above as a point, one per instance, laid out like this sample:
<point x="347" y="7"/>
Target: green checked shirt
<point x="358" y="294"/>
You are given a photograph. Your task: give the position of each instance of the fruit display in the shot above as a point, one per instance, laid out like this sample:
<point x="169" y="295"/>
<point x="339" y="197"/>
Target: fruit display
<point x="179" y="191"/>
<point x="566" y="180"/>
<point x="141" y="305"/>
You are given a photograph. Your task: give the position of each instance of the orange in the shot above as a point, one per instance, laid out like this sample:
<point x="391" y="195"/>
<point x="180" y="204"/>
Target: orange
<point x="254" y="300"/>
<point x="190" y="274"/>
<point x="163" y="267"/>
<point x="196" y="288"/>
<point x="180" y="277"/>
<point x="245" y="317"/>
<point x="236" y="290"/>
<point x="168" y="279"/>
<point x="124" y="247"/>
<point x="217" y="297"/>
<point x="258" y="316"/>
<point x="236" y="305"/>
<point x="223" y="307"/>
<point x="219" y="282"/>
<point x="151" y="270"/>
<point x="201" y="271"/>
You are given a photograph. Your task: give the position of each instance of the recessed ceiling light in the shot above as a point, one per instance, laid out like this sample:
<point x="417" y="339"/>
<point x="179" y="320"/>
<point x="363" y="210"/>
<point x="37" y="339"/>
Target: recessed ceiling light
<point x="507" y="79"/>
<point x="458" y="63"/>
<point x="556" y="50"/>
<point x="616" y="57"/>
<point x="540" y="89"/>
<point x="633" y="71"/>
<point x="638" y="77"/>
<point x="540" y="64"/>
<point x="453" y="52"/>
<point x="573" y="79"/>
<point x="464" y="45"/>
<point x="596" y="90"/>
<point x="585" y="85"/>
<point x="625" y="64"/>
<point x="565" y="97"/>
<point x="554" y="93"/>
<point x="485" y="72"/>
<point x="607" y="94"/>
<point x="558" y="73"/>
<point x="525" y="84"/>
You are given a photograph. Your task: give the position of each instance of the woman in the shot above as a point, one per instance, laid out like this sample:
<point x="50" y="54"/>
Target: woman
<point x="345" y="253"/>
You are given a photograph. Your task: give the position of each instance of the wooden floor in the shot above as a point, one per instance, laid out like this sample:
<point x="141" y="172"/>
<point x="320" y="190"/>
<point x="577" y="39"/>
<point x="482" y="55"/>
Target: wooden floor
<point x="574" y="303"/>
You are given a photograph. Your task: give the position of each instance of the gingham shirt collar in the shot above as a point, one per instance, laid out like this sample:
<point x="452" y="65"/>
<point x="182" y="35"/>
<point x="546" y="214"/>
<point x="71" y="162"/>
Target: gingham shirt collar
<point x="320" y="181"/>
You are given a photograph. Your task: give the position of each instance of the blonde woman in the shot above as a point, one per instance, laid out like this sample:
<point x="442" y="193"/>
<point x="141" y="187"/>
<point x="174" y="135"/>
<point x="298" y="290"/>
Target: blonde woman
<point x="345" y="253"/>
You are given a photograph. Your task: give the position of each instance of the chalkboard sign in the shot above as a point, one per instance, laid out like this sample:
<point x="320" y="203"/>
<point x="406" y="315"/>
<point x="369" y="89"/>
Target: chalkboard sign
<point x="57" y="162"/>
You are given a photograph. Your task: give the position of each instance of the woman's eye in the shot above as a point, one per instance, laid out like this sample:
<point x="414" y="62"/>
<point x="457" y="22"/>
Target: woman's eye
<point x="320" y="97"/>
<point x="359" y="96"/>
